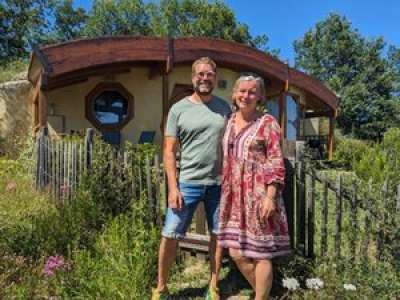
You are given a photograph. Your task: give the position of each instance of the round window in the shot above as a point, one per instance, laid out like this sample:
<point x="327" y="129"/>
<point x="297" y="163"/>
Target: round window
<point x="110" y="108"/>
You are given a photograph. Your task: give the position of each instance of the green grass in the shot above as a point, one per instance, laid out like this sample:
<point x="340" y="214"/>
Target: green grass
<point x="11" y="69"/>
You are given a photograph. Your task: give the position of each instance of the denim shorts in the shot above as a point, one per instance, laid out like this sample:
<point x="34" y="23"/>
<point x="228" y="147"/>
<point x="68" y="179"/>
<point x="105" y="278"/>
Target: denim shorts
<point x="177" y="221"/>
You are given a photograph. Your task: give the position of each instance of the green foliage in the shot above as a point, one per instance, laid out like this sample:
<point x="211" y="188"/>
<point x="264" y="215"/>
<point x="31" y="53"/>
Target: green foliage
<point x="201" y="18"/>
<point x="38" y="22"/>
<point x="357" y="69"/>
<point x="106" y="236"/>
<point x="121" y="17"/>
<point x="24" y="23"/>
<point x="381" y="282"/>
<point x="123" y="263"/>
<point x="69" y="22"/>
<point x="348" y="151"/>
<point x="9" y="70"/>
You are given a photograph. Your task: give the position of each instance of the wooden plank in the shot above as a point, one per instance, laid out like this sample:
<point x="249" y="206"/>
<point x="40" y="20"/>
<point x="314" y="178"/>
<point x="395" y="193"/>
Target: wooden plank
<point x="140" y="177"/>
<point x="65" y="171"/>
<point x="58" y="167"/>
<point x="338" y="223"/>
<point x="41" y="160"/>
<point x="324" y="218"/>
<point x="310" y="214"/>
<point x="89" y="148"/>
<point x="398" y="200"/>
<point x="133" y="167"/>
<point x="149" y="186"/>
<point x="301" y="209"/>
<point x="288" y="195"/>
<point x="367" y="226"/>
<point x="158" y="189"/>
<point x="353" y="223"/>
<point x="380" y="222"/>
<point x="53" y="167"/>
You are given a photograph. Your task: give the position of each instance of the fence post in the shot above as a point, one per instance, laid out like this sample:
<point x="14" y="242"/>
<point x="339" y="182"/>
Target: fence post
<point x="398" y="199"/>
<point x="380" y="221"/>
<point x="300" y="207"/>
<point x="150" y="197"/>
<point x="338" y="225"/>
<point x="353" y="222"/>
<point x="41" y="158"/>
<point x="288" y="197"/>
<point x="158" y="189"/>
<point x="89" y="148"/>
<point x="310" y="185"/>
<point x="324" y="217"/>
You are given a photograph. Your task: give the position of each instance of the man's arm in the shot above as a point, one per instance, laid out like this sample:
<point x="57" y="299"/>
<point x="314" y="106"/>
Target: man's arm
<point x="174" y="195"/>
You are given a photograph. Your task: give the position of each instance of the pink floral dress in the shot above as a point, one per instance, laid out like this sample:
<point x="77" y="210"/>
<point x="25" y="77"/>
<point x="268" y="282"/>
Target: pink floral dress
<point x="252" y="160"/>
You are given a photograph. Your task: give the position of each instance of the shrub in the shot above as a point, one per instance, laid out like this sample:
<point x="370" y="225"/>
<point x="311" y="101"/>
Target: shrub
<point x="349" y="150"/>
<point x="11" y="69"/>
<point x="123" y="262"/>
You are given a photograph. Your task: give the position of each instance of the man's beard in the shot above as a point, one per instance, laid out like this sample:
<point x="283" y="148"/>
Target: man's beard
<point x="203" y="91"/>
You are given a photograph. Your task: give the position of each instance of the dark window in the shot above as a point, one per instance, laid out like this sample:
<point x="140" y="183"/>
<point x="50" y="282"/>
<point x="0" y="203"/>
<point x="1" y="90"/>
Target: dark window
<point x="110" y="108"/>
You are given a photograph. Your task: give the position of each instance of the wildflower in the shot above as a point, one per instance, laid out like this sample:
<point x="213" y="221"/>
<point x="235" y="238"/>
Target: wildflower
<point x="349" y="287"/>
<point x="11" y="186"/>
<point x="314" y="283"/>
<point x="290" y="283"/>
<point x="64" y="188"/>
<point x="53" y="263"/>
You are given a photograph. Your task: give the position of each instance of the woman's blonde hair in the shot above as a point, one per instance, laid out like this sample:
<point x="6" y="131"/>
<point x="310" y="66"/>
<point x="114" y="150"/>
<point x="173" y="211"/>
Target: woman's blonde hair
<point x="259" y="84"/>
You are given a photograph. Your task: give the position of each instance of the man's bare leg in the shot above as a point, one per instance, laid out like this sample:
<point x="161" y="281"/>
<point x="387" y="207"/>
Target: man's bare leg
<point x="245" y="265"/>
<point x="264" y="276"/>
<point x="166" y="258"/>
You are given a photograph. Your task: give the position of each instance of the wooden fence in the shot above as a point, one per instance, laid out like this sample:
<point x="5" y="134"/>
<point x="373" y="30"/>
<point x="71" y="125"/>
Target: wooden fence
<point x="326" y="217"/>
<point x="338" y="218"/>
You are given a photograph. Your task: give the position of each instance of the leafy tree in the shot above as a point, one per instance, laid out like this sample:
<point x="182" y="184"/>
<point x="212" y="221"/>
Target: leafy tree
<point x="200" y="18"/>
<point x="69" y="22"/>
<point x="357" y="70"/>
<point x="394" y="60"/>
<point x="117" y="17"/>
<point x="23" y="23"/>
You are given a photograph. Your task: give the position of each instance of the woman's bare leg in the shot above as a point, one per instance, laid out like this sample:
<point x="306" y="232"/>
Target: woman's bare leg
<point x="263" y="278"/>
<point x="245" y="265"/>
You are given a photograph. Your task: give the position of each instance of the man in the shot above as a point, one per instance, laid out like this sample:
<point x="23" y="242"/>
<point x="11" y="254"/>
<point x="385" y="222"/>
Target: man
<point x="196" y="124"/>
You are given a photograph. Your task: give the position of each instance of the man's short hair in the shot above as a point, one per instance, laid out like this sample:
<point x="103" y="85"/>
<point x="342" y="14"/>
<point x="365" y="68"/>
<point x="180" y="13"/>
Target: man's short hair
<point x="204" y="60"/>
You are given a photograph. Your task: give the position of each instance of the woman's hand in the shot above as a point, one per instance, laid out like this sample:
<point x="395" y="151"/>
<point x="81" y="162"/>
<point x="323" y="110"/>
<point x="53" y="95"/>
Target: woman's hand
<point x="268" y="207"/>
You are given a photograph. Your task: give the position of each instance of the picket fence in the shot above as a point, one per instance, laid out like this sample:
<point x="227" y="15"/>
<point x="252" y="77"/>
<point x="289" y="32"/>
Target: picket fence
<point x="317" y="207"/>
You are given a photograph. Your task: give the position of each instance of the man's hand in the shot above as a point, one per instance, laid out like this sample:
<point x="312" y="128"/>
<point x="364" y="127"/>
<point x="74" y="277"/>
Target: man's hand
<point x="175" y="199"/>
<point x="268" y="207"/>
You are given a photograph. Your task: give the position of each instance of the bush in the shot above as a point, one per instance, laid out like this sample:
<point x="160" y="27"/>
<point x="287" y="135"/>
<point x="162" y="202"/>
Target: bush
<point x="104" y="233"/>
<point x="349" y="150"/>
<point x="9" y="71"/>
<point x="123" y="263"/>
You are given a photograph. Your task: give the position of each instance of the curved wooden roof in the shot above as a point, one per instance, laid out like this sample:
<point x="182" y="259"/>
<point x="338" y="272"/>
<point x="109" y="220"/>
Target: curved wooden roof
<point x="70" y="62"/>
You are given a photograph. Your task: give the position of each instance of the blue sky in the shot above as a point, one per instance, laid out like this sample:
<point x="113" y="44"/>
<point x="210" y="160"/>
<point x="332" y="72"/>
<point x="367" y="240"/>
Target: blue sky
<point x="288" y="20"/>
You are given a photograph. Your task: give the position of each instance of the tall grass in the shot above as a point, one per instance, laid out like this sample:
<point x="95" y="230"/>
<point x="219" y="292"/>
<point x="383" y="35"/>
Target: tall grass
<point x="108" y="243"/>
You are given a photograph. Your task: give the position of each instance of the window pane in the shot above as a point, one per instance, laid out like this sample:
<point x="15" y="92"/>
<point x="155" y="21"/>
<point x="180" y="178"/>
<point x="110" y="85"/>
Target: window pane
<point x="292" y="118"/>
<point x="110" y="108"/>
<point x="272" y="106"/>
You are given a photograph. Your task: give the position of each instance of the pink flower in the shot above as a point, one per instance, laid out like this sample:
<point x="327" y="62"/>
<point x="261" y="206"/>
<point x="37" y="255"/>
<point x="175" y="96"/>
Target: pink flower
<point x="11" y="186"/>
<point x="52" y="264"/>
<point x="64" y="188"/>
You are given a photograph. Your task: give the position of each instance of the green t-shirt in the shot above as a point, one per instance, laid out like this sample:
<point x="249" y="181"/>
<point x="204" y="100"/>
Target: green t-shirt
<point x="199" y="129"/>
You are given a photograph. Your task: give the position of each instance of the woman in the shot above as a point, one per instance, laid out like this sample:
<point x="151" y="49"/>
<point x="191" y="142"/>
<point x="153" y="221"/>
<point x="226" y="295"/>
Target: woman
<point x="253" y="222"/>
